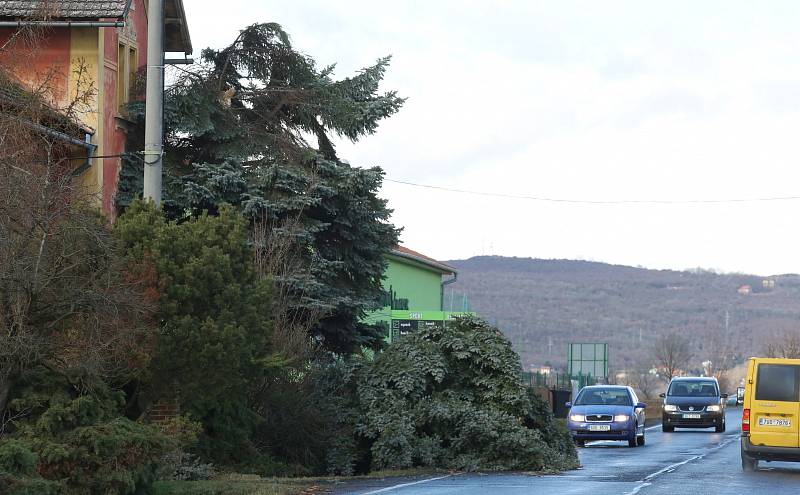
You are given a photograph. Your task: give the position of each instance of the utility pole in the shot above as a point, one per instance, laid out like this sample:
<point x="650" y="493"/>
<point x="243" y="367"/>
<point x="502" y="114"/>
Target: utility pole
<point x="154" y="106"/>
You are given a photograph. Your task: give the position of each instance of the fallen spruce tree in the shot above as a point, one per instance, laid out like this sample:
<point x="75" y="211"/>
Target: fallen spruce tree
<point x="447" y="398"/>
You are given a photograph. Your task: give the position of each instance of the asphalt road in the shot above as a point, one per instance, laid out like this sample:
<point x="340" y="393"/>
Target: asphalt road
<point x="687" y="461"/>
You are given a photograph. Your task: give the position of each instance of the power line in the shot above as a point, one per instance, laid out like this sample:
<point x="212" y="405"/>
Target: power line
<point x="595" y="202"/>
<point x="118" y="155"/>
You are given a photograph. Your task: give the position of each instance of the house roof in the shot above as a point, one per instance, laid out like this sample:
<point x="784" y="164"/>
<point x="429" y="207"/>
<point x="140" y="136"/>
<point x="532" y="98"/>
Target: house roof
<point x="64" y="9"/>
<point x="176" y="31"/>
<point x="404" y="252"/>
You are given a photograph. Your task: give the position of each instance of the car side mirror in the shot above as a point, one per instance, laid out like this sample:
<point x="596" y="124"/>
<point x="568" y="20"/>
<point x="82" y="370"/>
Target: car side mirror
<point x="724" y="396"/>
<point x="568" y="404"/>
<point x="662" y="395"/>
<point x="641" y="405"/>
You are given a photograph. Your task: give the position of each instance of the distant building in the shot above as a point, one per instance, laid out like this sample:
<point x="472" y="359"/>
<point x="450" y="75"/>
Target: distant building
<point x="768" y="283"/>
<point x="414" y="286"/>
<point x="662" y="371"/>
<point x="744" y="290"/>
<point x="542" y="370"/>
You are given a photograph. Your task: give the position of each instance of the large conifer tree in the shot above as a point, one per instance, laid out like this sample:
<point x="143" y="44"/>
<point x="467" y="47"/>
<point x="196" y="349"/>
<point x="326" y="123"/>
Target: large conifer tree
<point x="238" y="131"/>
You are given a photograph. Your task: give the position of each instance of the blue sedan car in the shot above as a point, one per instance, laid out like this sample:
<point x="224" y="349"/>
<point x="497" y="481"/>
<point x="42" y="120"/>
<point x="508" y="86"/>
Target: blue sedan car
<point x="607" y="412"/>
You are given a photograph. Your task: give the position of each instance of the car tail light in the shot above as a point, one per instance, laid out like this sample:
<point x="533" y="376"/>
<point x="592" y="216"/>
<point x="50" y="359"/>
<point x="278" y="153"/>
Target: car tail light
<point x="746" y="420"/>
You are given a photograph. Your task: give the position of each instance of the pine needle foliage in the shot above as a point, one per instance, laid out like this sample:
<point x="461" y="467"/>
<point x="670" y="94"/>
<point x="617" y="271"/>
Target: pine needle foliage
<point x="449" y="398"/>
<point x="69" y="442"/>
<point x="214" y="342"/>
<point x="240" y="127"/>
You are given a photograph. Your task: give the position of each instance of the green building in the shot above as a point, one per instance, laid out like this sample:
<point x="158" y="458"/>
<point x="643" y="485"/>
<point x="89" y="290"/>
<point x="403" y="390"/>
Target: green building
<point x="417" y="294"/>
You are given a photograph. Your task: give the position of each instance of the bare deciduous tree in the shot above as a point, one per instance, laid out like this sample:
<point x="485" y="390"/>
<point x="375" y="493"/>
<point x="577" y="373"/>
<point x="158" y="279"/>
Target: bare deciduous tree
<point x="67" y="301"/>
<point x="646" y="383"/>
<point x="641" y="379"/>
<point x="719" y="357"/>
<point x="786" y="346"/>
<point x="278" y="259"/>
<point x="672" y="354"/>
<point x="281" y="257"/>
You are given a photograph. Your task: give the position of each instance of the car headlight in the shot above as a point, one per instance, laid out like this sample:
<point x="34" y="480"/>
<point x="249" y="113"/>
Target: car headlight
<point x="713" y="408"/>
<point x="619" y="418"/>
<point x="670" y="407"/>
<point x="578" y="418"/>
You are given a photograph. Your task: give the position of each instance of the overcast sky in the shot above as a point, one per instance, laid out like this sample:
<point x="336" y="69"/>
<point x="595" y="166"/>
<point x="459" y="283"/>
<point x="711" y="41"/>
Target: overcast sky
<point x="606" y="101"/>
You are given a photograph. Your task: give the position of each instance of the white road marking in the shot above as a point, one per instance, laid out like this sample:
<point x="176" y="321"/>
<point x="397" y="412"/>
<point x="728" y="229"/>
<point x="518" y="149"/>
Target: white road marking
<point x="645" y="481"/>
<point x="403" y="485"/>
<point x="672" y="467"/>
<point x="653" y="427"/>
<point x="639" y="487"/>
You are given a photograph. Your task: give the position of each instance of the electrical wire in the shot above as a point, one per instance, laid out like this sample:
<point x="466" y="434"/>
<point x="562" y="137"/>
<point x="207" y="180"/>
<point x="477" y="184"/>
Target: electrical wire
<point x="595" y="202"/>
<point x="118" y="155"/>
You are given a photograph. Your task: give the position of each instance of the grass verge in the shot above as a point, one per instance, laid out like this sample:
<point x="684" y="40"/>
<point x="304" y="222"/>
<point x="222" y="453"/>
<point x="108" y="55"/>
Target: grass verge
<point x="235" y="484"/>
<point x="227" y="487"/>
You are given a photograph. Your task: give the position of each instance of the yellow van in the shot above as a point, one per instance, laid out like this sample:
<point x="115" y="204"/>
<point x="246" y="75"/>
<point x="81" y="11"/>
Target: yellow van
<point x="771" y="412"/>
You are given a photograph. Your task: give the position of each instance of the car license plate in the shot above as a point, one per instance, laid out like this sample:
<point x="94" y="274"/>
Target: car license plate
<point x="691" y="416"/>
<point x="774" y="422"/>
<point x="599" y="427"/>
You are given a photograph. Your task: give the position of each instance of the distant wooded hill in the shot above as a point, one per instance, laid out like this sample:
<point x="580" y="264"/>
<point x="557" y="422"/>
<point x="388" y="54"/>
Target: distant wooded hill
<point x="539" y="302"/>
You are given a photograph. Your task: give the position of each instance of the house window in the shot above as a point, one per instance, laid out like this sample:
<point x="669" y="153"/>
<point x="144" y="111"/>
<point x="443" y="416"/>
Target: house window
<point x="133" y="65"/>
<point x="127" y="63"/>
<point x="122" y="57"/>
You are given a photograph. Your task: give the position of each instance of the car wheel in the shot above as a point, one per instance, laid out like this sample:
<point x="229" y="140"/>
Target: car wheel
<point x="720" y="427"/>
<point x="632" y="443"/>
<point x="640" y="440"/>
<point x="580" y="443"/>
<point x="667" y="429"/>
<point x="749" y="464"/>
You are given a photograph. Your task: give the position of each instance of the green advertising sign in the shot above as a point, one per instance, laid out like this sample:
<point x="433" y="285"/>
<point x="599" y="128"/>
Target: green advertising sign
<point x="404" y="322"/>
<point x="398" y="314"/>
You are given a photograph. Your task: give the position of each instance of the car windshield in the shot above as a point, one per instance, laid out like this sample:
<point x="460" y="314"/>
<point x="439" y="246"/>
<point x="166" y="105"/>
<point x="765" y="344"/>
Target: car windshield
<point x="693" y="388"/>
<point x="603" y="396"/>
